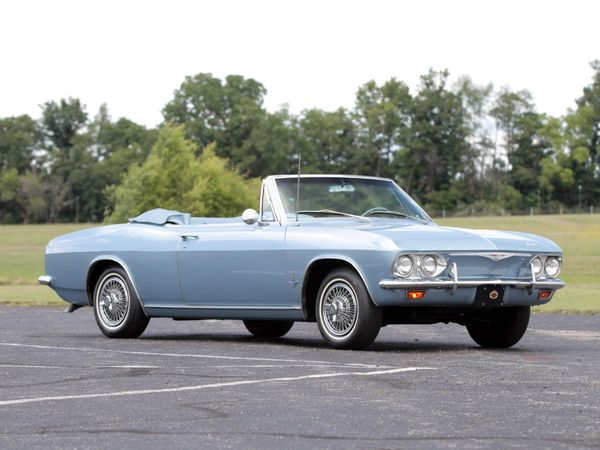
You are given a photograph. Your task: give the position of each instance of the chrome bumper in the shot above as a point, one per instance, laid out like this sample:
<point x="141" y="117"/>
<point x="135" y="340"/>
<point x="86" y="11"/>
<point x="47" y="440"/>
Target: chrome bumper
<point x="453" y="284"/>
<point x="46" y="280"/>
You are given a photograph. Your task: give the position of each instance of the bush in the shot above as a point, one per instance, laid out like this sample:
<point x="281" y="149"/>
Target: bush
<point x="172" y="177"/>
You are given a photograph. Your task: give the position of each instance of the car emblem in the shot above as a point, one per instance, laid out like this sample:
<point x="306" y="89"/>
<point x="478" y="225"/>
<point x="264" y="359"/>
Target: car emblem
<point x="497" y="256"/>
<point x="494" y="294"/>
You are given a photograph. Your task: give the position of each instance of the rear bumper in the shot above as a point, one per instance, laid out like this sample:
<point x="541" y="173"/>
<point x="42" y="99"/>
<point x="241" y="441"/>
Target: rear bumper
<point x="46" y="280"/>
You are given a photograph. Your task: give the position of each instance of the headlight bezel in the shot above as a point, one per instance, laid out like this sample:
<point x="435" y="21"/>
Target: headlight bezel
<point x="544" y="273"/>
<point x="559" y="266"/>
<point x="418" y="269"/>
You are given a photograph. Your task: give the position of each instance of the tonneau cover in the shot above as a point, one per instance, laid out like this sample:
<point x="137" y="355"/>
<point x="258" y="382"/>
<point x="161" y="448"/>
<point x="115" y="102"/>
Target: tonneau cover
<point x="160" y="216"/>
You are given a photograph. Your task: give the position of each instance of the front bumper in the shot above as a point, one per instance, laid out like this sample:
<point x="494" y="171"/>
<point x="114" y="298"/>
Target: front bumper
<point x="455" y="284"/>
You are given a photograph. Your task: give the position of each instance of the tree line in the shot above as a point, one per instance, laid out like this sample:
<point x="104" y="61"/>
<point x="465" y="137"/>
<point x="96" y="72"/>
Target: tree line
<point x="451" y="146"/>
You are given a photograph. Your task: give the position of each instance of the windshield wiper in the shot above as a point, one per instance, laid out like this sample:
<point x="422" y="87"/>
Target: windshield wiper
<point x="332" y="212"/>
<point x="389" y="212"/>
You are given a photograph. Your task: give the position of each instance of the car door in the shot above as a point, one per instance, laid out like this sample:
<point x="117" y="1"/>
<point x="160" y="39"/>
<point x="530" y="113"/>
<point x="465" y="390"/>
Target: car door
<point x="233" y="266"/>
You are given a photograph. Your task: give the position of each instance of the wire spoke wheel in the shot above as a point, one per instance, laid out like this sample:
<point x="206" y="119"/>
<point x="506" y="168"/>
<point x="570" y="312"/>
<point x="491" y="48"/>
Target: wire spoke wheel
<point x="117" y="307"/>
<point x="346" y="316"/>
<point x="339" y="308"/>
<point x="113" y="300"/>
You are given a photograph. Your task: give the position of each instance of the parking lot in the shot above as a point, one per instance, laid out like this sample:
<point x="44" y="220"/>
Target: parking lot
<point x="210" y="384"/>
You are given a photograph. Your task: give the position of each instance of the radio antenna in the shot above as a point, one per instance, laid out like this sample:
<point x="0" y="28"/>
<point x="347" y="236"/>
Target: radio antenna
<point x="298" y="186"/>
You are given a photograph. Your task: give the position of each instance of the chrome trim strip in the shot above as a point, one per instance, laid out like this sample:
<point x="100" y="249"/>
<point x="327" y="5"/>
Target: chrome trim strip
<point x="452" y="284"/>
<point x="276" y="203"/>
<point x="227" y="307"/>
<point x="328" y="175"/>
<point x="491" y="255"/>
<point x="46" y="280"/>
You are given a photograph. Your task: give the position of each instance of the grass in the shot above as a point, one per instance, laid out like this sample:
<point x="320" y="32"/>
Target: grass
<point x="22" y="257"/>
<point x="22" y="262"/>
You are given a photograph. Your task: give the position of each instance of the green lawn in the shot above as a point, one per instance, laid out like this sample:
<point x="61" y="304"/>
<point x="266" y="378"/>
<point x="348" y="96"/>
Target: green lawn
<point x="22" y="257"/>
<point x="22" y="262"/>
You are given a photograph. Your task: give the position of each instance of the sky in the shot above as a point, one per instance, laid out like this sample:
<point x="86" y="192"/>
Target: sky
<point x="132" y="55"/>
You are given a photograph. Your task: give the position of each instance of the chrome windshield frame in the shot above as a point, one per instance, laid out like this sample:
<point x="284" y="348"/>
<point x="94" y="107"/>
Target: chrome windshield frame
<point x="270" y="183"/>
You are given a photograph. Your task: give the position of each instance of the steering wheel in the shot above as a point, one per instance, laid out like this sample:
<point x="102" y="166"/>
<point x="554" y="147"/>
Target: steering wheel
<point x="370" y="211"/>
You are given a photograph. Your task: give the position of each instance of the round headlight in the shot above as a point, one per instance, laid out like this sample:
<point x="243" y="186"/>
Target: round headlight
<point x="403" y="266"/>
<point x="428" y="265"/>
<point x="552" y="266"/>
<point x="537" y="266"/>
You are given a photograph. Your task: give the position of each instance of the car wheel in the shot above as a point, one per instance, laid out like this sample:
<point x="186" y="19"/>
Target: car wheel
<point x="116" y="306"/>
<point x="268" y="328"/>
<point x="346" y="316"/>
<point x="505" y="328"/>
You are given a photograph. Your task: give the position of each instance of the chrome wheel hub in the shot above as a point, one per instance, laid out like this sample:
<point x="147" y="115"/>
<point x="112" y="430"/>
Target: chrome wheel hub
<point x="113" y="300"/>
<point x="339" y="308"/>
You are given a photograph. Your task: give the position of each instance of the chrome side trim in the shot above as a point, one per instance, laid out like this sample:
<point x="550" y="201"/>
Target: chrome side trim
<point x="453" y="284"/>
<point x="46" y="280"/>
<point x="494" y="256"/>
<point x="227" y="307"/>
<point x="276" y="203"/>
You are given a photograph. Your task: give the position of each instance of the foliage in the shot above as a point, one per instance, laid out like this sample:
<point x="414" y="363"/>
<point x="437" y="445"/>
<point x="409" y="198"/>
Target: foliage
<point x="212" y="111"/>
<point x="453" y="147"/>
<point x="172" y="177"/>
<point x="19" y="138"/>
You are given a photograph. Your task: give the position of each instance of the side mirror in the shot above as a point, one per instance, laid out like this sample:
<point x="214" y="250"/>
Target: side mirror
<point x="250" y="216"/>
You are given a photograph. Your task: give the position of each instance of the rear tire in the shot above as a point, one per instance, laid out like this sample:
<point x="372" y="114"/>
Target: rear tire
<point x="506" y="327"/>
<point x="117" y="309"/>
<point x="346" y="316"/>
<point x="268" y="328"/>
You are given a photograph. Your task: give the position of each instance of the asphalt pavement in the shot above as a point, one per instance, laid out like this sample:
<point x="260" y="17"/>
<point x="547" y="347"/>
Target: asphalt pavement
<point x="209" y="384"/>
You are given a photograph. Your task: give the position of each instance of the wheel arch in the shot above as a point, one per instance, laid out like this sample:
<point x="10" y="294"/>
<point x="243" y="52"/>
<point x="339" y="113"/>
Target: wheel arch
<point x="315" y="273"/>
<point x="99" y="265"/>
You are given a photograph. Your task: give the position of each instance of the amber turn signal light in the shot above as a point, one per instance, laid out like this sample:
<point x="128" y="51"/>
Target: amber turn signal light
<point x="415" y="295"/>
<point x="544" y="294"/>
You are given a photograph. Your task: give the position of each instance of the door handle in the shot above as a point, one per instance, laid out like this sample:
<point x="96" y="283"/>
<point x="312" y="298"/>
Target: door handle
<point x="189" y="237"/>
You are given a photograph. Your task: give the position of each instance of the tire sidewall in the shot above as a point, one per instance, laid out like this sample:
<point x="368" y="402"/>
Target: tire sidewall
<point x="365" y="322"/>
<point x="320" y="312"/>
<point x="132" y="303"/>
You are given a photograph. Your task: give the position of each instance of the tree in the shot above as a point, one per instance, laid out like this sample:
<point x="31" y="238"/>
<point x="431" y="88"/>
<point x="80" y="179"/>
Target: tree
<point x="216" y="111"/>
<point x="173" y="178"/>
<point x="219" y="190"/>
<point x="9" y="185"/>
<point x="62" y="121"/>
<point x="530" y="148"/>
<point x="271" y="146"/>
<point x="437" y="146"/>
<point x="382" y="116"/>
<point x="584" y="138"/>
<point x="115" y="146"/>
<point x="326" y="141"/>
<point x="19" y="138"/>
<point x="30" y="194"/>
<point x="476" y="104"/>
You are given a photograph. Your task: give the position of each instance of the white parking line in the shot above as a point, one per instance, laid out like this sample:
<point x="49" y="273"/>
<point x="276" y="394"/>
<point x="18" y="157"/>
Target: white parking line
<point x="193" y="355"/>
<point x="570" y="334"/>
<point x="21" y="401"/>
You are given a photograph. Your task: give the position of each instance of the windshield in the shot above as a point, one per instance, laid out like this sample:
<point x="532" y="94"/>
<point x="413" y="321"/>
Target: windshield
<point x="346" y="196"/>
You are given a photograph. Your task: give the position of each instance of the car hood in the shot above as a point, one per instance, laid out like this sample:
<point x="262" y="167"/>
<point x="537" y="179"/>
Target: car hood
<point x="411" y="236"/>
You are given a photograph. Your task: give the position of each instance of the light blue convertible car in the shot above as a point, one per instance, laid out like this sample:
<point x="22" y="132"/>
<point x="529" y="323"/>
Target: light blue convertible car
<point x="352" y="253"/>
